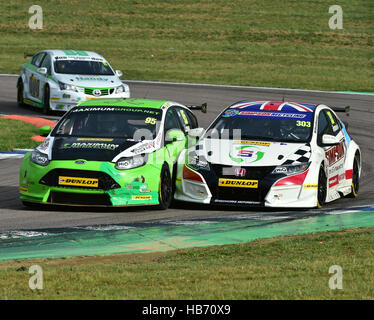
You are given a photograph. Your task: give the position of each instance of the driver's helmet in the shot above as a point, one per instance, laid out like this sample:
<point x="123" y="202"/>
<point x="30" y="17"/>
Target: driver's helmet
<point x="109" y="124"/>
<point x="286" y="127"/>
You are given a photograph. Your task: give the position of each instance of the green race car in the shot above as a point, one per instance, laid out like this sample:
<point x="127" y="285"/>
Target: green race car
<point x="110" y="152"/>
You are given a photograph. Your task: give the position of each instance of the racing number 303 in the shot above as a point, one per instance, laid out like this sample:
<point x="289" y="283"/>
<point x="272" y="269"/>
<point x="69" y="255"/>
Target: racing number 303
<point x="303" y="123"/>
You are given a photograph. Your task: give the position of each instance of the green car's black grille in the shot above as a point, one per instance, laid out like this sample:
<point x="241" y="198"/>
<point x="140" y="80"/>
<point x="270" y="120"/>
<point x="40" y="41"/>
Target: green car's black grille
<point x="104" y="92"/>
<point x="79" y="199"/>
<point x="105" y="182"/>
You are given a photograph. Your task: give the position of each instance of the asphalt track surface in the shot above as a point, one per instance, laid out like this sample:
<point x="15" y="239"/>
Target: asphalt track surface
<point x="14" y="216"/>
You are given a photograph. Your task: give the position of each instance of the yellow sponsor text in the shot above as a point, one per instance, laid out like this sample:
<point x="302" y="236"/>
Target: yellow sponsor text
<point x="237" y="183"/>
<point x="79" y="182"/>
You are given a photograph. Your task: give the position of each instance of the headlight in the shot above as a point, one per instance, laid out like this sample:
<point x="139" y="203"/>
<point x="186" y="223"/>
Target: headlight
<point x="197" y="162"/>
<point x="39" y="158"/>
<point x="131" y="163"/>
<point x="120" y="89"/>
<point x="69" y="87"/>
<point x="291" y="169"/>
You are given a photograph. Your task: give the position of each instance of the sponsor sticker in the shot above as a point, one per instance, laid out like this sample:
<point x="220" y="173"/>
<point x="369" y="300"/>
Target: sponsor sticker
<point x="230" y="113"/>
<point x="237" y="183"/>
<point x="81" y="182"/>
<point x="147" y="197"/>
<point x="90" y="145"/>
<point x="94" y="139"/>
<point x="24" y="189"/>
<point x="256" y="143"/>
<point x="310" y="186"/>
<point x="335" y="153"/>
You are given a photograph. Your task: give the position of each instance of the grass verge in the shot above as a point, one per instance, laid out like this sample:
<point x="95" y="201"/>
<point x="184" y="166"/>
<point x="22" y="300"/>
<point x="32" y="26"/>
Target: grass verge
<point x="16" y="134"/>
<point x="273" y="43"/>
<point x="295" y="267"/>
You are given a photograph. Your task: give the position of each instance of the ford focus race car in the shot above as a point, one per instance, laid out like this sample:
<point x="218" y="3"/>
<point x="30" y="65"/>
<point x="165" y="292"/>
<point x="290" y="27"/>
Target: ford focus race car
<point x="275" y="154"/>
<point x="109" y="152"/>
<point x="60" y="79"/>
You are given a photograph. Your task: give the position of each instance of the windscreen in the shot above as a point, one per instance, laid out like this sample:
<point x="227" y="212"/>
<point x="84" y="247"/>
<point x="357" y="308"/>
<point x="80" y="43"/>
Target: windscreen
<point x="84" y="67"/>
<point x="264" y="125"/>
<point x="110" y="122"/>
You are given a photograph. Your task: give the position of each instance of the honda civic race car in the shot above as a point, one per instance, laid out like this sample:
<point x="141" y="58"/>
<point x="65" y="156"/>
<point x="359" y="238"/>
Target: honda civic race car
<point x="61" y="79"/>
<point x="109" y="152"/>
<point x="273" y="154"/>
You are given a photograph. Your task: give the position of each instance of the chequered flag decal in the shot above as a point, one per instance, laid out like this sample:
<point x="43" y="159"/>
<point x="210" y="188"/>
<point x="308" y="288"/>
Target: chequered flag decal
<point x="300" y="156"/>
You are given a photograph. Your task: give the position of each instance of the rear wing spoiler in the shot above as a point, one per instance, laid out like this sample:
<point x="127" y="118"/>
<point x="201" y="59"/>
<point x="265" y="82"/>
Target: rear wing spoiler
<point x="342" y="109"/>
<point x="203" y="107"/>
<point x="28" y="55"/>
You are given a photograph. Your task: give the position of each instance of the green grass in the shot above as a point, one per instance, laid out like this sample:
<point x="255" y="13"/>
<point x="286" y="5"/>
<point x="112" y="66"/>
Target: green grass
<point x="276" y="43"/>
<point x="16" y="134"/>
<point x="295" y="267"/>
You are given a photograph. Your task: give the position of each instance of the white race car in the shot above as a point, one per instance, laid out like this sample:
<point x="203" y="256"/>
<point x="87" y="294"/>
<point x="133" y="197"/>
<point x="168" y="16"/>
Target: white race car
<point x="60" y="79"/>
<point x="273" y="154"/>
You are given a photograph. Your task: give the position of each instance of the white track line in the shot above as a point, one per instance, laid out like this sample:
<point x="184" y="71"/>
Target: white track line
<point x="207" y="85"/>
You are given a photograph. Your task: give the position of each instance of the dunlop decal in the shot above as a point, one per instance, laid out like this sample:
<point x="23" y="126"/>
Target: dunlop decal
<point x="310" y="186"/>
<point x="149" y="197"/>
<point x="238" y="183"/>
<point x="81" y="182"/>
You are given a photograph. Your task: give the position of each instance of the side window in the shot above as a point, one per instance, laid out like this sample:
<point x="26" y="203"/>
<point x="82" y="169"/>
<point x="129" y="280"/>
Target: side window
<point x="187" y="119"/>
<point x="192" y="120"/>
<point x="47" y="63"/>
<point x="37" y="60"/>
<point x="335" y="123"/>
<point x="324" y="126"/>
<point x="171" y="121"/>
<point x="183" y="119"/>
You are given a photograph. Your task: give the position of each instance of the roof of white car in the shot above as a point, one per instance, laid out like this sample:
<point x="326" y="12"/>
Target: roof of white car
<point x="73" y="53"/>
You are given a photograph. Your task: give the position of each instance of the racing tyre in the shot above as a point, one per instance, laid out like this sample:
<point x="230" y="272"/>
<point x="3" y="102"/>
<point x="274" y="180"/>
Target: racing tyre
<point x="322" y="188"/>
<point x="20" y="94"/>
<point x="46" y="98"/>
<point x="165" y="192"/>
<point x="355" y="179"/>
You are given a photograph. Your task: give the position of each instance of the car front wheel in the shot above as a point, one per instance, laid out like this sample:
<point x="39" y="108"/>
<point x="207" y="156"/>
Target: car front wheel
<point x="355" y="179"/>
<point x="165" y="192"/>
<point x="322" y="188"/>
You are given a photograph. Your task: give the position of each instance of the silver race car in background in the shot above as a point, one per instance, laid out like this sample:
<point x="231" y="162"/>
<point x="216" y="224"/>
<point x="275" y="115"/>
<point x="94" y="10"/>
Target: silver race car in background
<point x="60" y="79"/>
<point x="274" y="154"/>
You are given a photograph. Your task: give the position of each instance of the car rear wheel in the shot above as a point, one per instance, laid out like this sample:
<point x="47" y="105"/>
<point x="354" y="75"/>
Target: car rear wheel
<point x="355" y="179"/>
<point x="322" y="188"/>
<point x="165" y="192"/>
<point x="46" y="107"/>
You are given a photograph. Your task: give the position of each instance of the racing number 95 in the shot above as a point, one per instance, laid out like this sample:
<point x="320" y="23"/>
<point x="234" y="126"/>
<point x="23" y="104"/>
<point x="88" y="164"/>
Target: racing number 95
<point x="150" y="120"/>
<point x="303" y="123"/>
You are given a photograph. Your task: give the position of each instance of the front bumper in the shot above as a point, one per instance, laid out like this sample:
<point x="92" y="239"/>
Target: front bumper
<point x="115" y="188"/>
<point x="64" y="100"/>
<point x="268" y="193"/>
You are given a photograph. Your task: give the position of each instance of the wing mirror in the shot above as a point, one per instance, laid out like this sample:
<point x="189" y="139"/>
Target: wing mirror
<point x="329" y="140"/>
<point x="45" y="131"/>
<point x="174" y="135"/>
<point x="119" y="73"/>
<point x="42" y="71"/>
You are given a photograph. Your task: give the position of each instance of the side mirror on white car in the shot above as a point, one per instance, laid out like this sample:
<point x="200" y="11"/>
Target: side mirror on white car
<point x="329" y="140"/>
<point x="119" y="73"/>
<point x="42" y="70"/>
